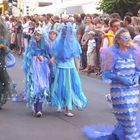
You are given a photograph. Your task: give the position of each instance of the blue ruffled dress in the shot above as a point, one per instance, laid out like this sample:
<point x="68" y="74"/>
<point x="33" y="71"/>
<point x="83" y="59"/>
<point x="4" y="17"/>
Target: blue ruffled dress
<point x="37" y="73"/>
<point x="125" y="99"/>
<point x="67" y="89"/>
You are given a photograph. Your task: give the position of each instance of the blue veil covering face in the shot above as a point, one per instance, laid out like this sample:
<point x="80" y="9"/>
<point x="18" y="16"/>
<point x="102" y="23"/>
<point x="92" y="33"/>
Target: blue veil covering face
<point x="66" y="45"/>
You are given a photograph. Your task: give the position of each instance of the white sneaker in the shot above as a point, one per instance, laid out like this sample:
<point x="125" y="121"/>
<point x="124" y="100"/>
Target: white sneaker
<point x="108" y="98"/>
<point x="39" y="114"/>
<point x="69" y="114"/>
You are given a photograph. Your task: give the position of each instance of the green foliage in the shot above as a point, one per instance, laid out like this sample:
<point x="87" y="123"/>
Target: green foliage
<point x="119" y="6"/>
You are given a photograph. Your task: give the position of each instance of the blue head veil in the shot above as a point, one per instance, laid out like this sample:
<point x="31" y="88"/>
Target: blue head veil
<point x="66" y="45"/>
<point x="31" y="50"/>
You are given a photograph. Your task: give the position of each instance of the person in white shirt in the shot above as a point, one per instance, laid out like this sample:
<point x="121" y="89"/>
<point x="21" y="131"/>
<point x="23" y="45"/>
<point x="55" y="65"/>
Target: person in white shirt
<point x="26" y="26"/>
<point x="47" y="27"/>
<point x="91" y="53"/>
<point x="7" y="23"/>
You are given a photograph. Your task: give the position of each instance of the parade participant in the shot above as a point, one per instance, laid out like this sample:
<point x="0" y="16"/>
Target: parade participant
<point x="5" y="82"/>
<point x="51" y="41"/>
<point x="121" y="64"/>
<point x="52" y="37"/>
<point x="37" y="73"/>
<point x="66" y="89"/>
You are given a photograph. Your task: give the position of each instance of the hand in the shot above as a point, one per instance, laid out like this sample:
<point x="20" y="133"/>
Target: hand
<point x="40" y="58"/>
<point x="135" y="79"/>
<point x="1" y="46"/>
<point x="51" y="61"/>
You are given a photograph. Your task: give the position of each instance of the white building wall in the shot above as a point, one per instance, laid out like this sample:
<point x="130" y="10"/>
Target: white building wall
<point x="33" y="4"/>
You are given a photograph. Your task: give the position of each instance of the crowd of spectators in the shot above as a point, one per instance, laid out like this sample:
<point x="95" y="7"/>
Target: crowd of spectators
<point x="89" y="30"/>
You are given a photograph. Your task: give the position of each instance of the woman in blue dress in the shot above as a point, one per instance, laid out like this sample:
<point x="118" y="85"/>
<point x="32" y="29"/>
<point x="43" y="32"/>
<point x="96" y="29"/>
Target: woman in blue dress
<point x="66" y="89"/>
<point x="37" y="73"/>
<point x="121" y="64"/>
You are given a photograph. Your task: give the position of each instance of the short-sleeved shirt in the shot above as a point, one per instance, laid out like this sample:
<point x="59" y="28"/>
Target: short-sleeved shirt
<point x="91" y="45"/>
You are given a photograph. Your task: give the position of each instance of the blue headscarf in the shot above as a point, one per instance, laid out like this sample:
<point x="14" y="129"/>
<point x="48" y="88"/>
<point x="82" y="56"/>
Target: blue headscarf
<point x="66" y="45"/>
<point x="32" y="50"/>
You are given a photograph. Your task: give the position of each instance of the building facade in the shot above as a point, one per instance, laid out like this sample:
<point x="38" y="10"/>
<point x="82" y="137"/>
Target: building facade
<point x="4" y="6"/>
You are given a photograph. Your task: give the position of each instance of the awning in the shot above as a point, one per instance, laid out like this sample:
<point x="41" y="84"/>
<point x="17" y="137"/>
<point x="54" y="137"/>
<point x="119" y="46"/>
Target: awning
<point x="70" y="7"/>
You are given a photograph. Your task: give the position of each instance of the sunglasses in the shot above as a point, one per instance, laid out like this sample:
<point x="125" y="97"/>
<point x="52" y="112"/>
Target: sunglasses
<point x="116" y="26"/>
<point x="126" y="38"/>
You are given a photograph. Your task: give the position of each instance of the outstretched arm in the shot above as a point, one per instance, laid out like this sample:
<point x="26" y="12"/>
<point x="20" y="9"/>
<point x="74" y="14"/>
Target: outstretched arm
<point x="108" y="63"/>
<point x="120" y="79"/>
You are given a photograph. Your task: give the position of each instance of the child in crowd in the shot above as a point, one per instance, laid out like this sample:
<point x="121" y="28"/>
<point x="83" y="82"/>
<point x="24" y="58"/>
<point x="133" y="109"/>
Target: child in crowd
<point x="91" y="53"/>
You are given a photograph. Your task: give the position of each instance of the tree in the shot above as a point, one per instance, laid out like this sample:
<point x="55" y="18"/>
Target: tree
<point x="119" y="6"/>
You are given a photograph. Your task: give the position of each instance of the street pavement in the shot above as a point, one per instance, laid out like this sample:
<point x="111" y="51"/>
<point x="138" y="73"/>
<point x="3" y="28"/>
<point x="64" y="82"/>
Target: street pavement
<point x="17" y="122"/>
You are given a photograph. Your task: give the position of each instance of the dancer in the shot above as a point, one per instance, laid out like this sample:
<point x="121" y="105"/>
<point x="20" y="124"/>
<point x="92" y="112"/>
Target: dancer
<point x="66" y="89"/>
<point x="121" y="64"/>
<point x="5" y="82"/>
<point x="37" y="73"/>
<point x="51" y="41"/>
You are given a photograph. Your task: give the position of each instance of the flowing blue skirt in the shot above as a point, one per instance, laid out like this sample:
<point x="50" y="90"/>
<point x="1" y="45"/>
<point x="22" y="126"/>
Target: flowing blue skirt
<point x="67" y="90"/>
<point x="37" y="83"/>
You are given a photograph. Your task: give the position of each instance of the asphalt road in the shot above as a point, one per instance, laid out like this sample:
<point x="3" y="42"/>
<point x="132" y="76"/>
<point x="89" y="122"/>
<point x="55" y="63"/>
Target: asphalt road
<point x="17" y="123"/>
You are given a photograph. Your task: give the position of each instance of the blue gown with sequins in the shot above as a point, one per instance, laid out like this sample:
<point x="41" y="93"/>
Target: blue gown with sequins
<point x="125" y="99"/>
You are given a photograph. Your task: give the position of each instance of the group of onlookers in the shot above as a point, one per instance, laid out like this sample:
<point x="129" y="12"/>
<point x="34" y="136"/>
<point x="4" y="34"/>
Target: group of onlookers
<point x="90" y="30"/>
